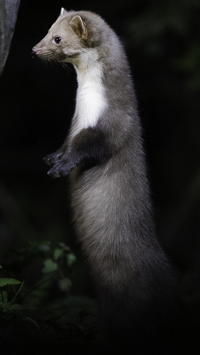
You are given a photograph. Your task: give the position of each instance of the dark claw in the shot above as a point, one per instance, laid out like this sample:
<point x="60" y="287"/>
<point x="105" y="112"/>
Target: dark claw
<point x="53" y="158"/>
<point x="47" y="160"/>
<point x="60" y="169"/>
<point x="53" y="174"/>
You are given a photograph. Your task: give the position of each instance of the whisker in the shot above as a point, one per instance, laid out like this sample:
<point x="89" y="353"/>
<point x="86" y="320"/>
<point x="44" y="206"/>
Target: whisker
<point x="66" y="67"/>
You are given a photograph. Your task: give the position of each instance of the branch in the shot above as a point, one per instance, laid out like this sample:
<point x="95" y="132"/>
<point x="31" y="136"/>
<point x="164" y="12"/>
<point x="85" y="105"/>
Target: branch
<point x="8" y="16"/>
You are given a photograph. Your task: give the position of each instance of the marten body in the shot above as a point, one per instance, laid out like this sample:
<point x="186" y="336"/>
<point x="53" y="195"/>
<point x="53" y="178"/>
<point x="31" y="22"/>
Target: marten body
<point x="104" y="158"/>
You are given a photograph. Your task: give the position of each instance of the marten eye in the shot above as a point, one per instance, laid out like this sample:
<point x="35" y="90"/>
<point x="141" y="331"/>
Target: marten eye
<point x="57" y="39"/>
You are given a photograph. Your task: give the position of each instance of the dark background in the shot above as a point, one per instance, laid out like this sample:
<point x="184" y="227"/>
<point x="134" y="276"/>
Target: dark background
<point x="162" y="41"/>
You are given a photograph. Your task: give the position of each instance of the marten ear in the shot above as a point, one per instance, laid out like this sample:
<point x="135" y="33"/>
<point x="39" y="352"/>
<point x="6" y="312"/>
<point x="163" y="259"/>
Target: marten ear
<point x="62" y="11"/>
<point x="79" y="27"/>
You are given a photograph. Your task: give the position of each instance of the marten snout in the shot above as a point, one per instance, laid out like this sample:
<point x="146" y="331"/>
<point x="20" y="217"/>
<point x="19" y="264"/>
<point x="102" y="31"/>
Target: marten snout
<point x="35" y="50"/>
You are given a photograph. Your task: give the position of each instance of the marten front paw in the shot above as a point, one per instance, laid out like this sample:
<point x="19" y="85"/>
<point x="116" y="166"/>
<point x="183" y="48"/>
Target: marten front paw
<point x="60" y="169"/>
<point x="53" y="158"/>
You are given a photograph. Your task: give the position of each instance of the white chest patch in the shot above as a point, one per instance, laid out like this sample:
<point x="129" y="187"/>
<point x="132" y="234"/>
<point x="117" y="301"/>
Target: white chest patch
<point x="90" y="99"/>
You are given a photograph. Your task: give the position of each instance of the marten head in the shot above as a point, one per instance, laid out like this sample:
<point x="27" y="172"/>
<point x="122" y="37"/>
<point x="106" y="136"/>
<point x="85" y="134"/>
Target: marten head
<point x="70" y="37"/>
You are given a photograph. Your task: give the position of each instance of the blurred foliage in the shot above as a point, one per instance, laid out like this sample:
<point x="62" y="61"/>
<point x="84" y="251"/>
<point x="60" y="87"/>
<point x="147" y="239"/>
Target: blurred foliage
<point x="50" y="282"/>
<point x="55" y="270"/>
<point x="169" y="31"/>
<point x="43" y="307"/>
<point x="4" y="304"/>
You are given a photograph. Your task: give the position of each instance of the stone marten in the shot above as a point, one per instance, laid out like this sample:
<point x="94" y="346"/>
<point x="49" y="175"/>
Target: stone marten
<point x="110" y="198"/>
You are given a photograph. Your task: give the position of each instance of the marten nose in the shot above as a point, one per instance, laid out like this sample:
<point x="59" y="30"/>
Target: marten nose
<point x="35" y="50"/>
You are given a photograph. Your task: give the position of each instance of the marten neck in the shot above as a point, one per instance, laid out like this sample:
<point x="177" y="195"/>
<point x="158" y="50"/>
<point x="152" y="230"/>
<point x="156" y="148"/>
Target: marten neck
<point x="90" y="100"/>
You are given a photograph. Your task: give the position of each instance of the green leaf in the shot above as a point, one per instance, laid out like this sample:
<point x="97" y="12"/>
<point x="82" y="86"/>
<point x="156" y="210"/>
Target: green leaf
<point x="71" y="259"/>
<point x="64" y="247"/>
<point x="57" y="253"/>
<point x="65" y="284"/>
<point x="7" y="306"/>
<point x="8" y="281"/>
<point x="49" y="266"/>
<point x="3" y="296"/>
<point x="40" y="246"/>
<point x="45" y="247"/>
<point x="1" y="267"/>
